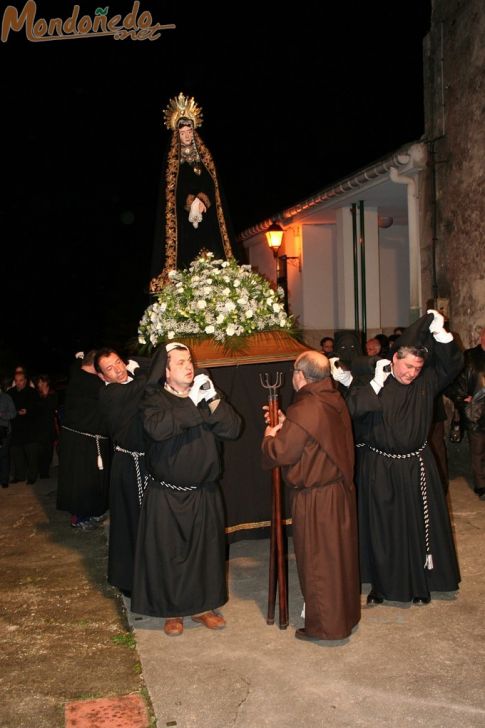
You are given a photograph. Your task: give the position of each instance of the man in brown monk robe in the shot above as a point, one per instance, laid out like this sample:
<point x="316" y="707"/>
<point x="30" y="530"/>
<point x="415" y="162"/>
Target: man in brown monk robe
<point x="314" y="445"/>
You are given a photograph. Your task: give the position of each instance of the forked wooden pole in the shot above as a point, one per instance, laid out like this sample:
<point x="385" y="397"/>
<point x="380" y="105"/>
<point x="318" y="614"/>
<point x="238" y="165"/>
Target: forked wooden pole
<point x="277" y="554"/>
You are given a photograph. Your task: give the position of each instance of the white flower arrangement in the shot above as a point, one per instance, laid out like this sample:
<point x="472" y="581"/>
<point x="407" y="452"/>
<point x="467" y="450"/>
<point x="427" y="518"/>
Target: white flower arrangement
<point x="213" y="298"/>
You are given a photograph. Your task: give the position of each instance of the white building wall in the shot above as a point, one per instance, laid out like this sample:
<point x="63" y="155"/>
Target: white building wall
<point x="394" y="276"/>
<point x="318" y="292"/>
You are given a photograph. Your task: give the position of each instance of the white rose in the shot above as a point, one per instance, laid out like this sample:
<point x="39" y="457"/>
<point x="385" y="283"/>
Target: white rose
<point x="172" y="273"/>
<point x="226" y="291"/>
<point x="141" y="340"/>
<point x="229" y="306"/>
<point x="249" y="313"/>
<point x="230" y="330"/>
<point x="171" y="335"/>
<point x="276" y="307"/>
<point x="201" y="303"/>
<point x="220" y="319"/>
<point x="163" y="307"/>
<point x="209" y="329"/>
<point x="236" y="283"/>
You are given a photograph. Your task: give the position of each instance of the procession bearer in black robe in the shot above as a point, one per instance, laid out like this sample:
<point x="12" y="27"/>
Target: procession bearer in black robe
<point x="120" y="402"/>
<point x="406" y="544"/>
<point x="180" y="555"/>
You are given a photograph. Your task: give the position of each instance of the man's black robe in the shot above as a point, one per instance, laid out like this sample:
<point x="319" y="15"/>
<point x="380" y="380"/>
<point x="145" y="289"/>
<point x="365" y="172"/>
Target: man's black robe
<point x="390" y="500"/>
<point x="180" y="555"/>
<point x="82" y="487"/>
<point x="120" y="405"/>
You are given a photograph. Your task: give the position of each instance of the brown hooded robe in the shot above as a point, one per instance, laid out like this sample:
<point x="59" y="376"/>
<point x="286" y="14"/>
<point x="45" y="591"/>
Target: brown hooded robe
<point x="315" y="447"/>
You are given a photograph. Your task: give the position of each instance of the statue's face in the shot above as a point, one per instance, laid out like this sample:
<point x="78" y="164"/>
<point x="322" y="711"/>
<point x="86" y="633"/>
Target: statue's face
<point x="186" y="134"/>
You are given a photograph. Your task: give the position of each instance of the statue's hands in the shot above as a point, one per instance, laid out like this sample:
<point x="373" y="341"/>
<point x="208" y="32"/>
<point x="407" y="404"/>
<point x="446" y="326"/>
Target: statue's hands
<point x="195" y="214"/>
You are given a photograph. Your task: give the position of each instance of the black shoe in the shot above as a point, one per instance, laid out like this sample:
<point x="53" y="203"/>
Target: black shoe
<point x="480" y="493"/>
<point x="421" y="600"/>
<point x="374" y="597"/>
<point x="4" y="485"/>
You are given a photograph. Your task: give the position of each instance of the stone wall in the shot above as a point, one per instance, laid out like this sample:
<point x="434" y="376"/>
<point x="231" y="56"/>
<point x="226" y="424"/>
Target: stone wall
<point x="454" y="203"/>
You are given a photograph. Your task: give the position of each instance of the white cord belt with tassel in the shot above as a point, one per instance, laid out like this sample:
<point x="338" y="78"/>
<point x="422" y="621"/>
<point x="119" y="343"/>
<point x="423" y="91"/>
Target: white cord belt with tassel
<point x="96" y="437"/>
<point x="428" y="562"/>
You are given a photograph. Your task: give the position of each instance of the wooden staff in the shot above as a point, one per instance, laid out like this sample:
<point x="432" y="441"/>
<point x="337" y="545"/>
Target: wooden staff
<point x="277" y="554"/>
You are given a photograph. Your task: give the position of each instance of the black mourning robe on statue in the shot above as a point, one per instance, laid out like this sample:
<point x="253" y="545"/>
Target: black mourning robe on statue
<point x="120" y="403"/>
<point x="82" y="486"/>
<point x="178" y="242"/>
<point x="180" y="555"/>
<point x="391" y="502"/>
<point x="207" y="235"/>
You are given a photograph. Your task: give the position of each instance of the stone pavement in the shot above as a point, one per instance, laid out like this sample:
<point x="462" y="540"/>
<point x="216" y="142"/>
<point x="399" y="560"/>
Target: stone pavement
<point x="403" y="665"/>
<point x="64" y="639"/>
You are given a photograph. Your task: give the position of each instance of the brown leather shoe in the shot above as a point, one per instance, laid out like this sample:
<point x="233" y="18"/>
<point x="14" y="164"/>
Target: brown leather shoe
<point x="212" y="620"/>
<point x="173" y="626"/>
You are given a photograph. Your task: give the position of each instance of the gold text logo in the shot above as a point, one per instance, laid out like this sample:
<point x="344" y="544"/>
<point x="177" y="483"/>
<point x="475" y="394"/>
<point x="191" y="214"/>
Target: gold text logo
<point x="134" y="25"/>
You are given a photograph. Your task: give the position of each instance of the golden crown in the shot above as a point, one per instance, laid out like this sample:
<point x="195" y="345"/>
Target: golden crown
<point x="182" y="107"/>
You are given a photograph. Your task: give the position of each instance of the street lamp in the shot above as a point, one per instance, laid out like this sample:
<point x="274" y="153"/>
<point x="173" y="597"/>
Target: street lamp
<point x="274" y="237"/>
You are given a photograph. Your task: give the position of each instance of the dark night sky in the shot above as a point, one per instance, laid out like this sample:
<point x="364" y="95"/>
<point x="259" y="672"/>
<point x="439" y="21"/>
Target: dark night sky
<point x="291" y="102"/>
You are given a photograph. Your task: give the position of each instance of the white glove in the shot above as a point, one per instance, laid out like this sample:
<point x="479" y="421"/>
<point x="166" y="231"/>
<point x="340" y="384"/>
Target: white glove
<point x="196" y="394"/>
<point x="380" y="375"/>
<point x="340" y="375"/>
<point x="210" y="392"/>
<point x="437" y="328"/>
<point x="195" y="216"/>
<point x="132" y="366"/>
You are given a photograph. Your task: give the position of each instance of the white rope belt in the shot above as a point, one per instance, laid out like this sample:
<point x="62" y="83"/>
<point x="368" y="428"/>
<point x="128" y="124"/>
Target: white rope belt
<point x="174" y="487"/>
<point x="96" y="437"/>
<point x="428" y="562"/>
<point x="141" y="482"/>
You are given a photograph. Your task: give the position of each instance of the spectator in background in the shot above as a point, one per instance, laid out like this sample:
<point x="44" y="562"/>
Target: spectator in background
<point x="23" y="445"/>
<point x="7" y="413"/>
<point x="384" y="342"/>
<point x="392" y="342"/>
<point x="373" y="347"/>
<point x="465" y="392"/>
<point x="47" y="423"/>
<point x="326" y="345"/>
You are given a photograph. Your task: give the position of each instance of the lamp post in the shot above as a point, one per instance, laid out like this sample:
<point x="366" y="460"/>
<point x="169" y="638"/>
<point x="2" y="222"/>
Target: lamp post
<point x="274" y="238"/>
